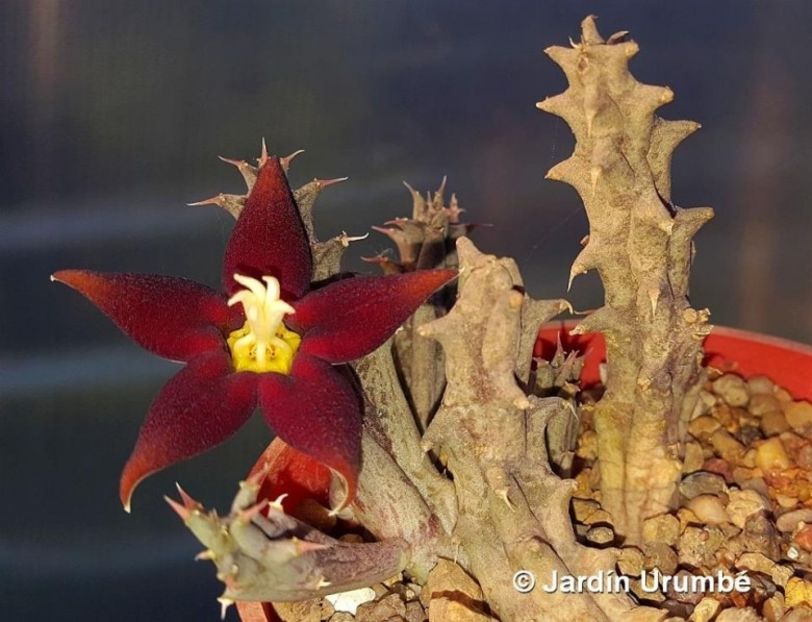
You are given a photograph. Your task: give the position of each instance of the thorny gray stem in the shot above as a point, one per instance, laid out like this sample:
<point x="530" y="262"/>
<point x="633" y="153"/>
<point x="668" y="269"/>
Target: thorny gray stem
<point x="263" y="554"/>
<point x="397" y="511"/>
<point x="641" y="245"/>
<point x="424" y="240"/>
<point x="424" y="380"/>
<point x="492" y="437"/>
<point x="391" y="418"/>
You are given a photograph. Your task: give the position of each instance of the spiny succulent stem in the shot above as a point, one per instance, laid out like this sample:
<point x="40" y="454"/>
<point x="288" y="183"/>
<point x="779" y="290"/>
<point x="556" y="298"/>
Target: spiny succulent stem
<point x="641" y="246"/>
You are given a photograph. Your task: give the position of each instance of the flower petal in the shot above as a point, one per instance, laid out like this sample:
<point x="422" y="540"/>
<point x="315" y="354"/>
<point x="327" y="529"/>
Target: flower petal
<point x="171" y="317"/>
<point x="200" y="407"/>
<point x="348" y="319"/>
<point x="292" y="473"/>
<point x="269" y="238"/>
<point x="316" y="410"/>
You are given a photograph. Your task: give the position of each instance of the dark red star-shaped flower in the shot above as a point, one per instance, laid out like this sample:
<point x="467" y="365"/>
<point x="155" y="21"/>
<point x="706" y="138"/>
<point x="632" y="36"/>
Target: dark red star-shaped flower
<point x="268" y="340"/>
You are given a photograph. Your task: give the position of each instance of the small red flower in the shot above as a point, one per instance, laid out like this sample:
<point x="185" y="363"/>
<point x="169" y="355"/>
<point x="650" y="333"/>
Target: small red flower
<point x="270" y="340"/>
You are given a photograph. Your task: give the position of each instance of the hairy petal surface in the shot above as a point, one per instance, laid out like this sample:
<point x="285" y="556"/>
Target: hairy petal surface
<point x="349" y="318"/>
<point x="269" y="238"/>
<point x="316" y="411"/>
<point x="171" y="317"/>
<point x="200" y="407"/>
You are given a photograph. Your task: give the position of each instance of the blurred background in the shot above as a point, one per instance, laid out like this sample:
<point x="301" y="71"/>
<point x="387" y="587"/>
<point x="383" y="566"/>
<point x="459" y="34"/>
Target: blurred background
<point x="112" y="114"/>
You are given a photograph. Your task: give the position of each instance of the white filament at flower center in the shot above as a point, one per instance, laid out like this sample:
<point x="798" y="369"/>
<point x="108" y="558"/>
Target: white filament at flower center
<point x="264" y="311"/>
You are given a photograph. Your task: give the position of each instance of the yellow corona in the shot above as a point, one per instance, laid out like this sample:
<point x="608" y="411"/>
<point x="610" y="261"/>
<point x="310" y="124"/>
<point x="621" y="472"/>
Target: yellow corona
<point x="264" y="343"/>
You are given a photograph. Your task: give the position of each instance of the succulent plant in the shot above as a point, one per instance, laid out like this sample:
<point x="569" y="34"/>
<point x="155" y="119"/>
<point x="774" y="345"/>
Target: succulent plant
<point x="444" y="438"/>
<point x="641" y="244"/>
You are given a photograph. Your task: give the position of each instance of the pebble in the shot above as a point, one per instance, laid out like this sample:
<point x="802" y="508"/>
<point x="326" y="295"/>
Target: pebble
<point x="803" y="537"/>
<point x="582" y="509"/>
<point x="726" y="446"/>
<point x="757" y="562"/>
<point x="786" y="501"/>
<point x="761" y="536"/>
<point x="697" y="546"/>
<point x="313" y="610"/>
<point x="663" y="528"/>
<point x="702" y="427"/>
<point x="803" y="457"/>
<point x="386" y="608"/>
<point x="758" y="484"/>
<point x="773" y="608"/>
<point x="743" y="504"/>
<point x="798" y="592"/>
<point x="412" y="591"/>
<point x="709" y="510"/>
<point x="782" y="394"/>
<point x="773" y="423"/>
<point x="801" y="613"/>
<point x="789" y="521"/>
<point x="686" y="517"/>
<point x="799" y="416"/>
<point x="796" y="554"/>
<point x="771" y="456"/>
<point x="730" y="531"/>
<point x="352" y="538"/>
<point x="655" y="596"/>
<point x="630" y="561"/>
<point x="763" y="585"/>
<point x="705" y="610"/>
<point x="732" y="389"/>
<point x="745" y="614"/>
<point x="746" y="418"/>
<point x="415" y="612"/>
<point x="793" y="442"/>
<point x="762" y="404"/>
<point x="694" y="457"/>
<point x="448" y="577"/>
<point x="687" y="596"/>
<point x="350" y="601"/>
<point x="742" y="475"/>
<point x="727" y="416"/>
<point x="749" y="458"/>
<point x="445" y="610"/>
<point x="661" y="556"/>
<point x="748" y="434"/>
<point x="760" y="385"/>
<point x="720" y="467"/>
<point x="702" y="483"/>
<point x="598" y="516"/>
<point x="600" y="534"/>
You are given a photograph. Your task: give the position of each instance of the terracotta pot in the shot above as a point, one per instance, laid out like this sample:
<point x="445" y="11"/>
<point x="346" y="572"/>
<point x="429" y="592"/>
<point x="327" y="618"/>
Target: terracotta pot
<point x="257" y="612"/>
<point x="787" y="363"/>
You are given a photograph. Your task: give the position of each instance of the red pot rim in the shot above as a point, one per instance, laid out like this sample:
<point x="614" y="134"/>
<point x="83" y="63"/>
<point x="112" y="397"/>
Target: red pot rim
<point x="785" y="362"/>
